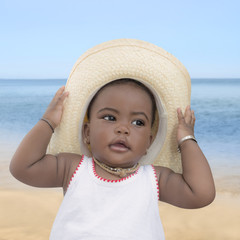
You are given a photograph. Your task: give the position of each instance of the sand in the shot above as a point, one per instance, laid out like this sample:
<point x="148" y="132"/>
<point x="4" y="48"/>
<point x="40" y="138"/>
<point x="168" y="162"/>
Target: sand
<point x="29" y="214"/>
<point x="220" y="220"/>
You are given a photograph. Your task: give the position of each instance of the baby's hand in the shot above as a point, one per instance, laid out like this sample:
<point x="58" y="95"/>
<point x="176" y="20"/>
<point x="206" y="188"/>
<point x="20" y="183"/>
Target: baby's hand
<point x="55" y="109"/>
<point x="185" y="123"/>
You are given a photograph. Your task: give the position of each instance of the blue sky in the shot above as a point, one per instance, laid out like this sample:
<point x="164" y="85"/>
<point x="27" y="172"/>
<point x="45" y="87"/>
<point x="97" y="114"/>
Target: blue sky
<point x="43" y="39"/>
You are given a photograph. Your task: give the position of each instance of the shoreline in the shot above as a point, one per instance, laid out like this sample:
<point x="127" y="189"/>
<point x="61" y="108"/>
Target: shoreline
<point x="227" y="180"/>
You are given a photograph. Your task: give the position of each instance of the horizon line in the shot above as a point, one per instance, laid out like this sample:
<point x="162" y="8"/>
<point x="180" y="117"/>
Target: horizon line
<point x="192" y="78"/>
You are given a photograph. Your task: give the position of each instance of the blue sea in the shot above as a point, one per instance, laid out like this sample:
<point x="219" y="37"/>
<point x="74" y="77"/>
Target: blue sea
<point x="216" y="103"/>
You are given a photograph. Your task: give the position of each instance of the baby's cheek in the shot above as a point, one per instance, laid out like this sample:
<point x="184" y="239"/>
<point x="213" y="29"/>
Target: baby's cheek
<point x="144" y="142"/>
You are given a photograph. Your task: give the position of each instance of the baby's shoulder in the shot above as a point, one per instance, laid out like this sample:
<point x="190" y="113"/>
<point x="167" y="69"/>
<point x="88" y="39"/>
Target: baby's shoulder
<point x="65" y="156"/>
<point x="71" y="162"/>
<point x="162" y="172"/>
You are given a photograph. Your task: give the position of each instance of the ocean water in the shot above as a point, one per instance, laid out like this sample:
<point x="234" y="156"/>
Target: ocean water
<point x="216" y="103"/>
<point x="217" y="106"/>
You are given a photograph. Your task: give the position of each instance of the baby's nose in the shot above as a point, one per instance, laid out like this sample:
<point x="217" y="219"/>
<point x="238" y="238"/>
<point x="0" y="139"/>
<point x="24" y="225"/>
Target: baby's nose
<point x="122" y="129"/>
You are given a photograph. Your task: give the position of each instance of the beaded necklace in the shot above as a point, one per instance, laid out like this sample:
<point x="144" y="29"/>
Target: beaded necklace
<point x="121" y="172"/>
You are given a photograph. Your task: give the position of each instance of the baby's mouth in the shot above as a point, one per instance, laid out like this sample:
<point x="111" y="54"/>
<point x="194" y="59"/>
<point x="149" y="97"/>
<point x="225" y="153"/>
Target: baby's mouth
<point x="119" y="146"/>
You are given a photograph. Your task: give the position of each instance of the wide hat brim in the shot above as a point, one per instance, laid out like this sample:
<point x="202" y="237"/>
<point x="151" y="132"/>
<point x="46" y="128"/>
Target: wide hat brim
<point x="160" y="71"/>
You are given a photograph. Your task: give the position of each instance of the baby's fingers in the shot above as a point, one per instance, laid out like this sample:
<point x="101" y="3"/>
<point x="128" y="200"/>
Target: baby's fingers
<point x="180" y="116"/>
<point x="60" y="95"/>
<point x="193" y="118"/>
<point x="188" y="115"/>
<point x="185" y="123"/>
<point x="59" y="92"/>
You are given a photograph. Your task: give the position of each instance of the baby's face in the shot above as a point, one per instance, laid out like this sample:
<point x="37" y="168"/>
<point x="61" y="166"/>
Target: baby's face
<point x="119" y="131"/>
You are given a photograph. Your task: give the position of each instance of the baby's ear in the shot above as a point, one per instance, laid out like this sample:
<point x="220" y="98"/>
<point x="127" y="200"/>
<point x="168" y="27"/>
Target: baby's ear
<point x="150" y="143"/>
<point x="86" y="133"/>
<point x="150" y="140"/>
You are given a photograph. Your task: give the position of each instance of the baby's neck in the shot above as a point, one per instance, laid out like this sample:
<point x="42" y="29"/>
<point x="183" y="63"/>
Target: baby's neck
<point x="106" y="175"/>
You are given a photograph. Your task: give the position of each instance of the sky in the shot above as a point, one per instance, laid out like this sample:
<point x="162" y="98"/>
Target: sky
<point x="43" y="39"/>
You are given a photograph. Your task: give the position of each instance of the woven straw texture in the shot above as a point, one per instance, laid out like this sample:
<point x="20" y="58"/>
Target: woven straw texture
<point x="160" y="71"/>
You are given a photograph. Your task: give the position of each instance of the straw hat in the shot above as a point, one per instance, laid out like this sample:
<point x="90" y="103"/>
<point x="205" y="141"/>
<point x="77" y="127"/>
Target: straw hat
<point x="160" y="71"/>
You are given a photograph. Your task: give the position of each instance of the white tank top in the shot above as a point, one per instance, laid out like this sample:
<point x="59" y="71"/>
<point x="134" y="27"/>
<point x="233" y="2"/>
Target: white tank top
<point x="95" y="208"/>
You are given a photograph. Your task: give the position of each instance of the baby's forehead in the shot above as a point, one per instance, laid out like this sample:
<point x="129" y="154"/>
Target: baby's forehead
<point x="131" y="87"/>
<point x="125" y="90"/>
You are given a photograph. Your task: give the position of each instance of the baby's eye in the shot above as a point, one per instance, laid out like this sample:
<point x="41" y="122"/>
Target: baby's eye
<point x="109" y="118"/>
<point x="138" y="122"/>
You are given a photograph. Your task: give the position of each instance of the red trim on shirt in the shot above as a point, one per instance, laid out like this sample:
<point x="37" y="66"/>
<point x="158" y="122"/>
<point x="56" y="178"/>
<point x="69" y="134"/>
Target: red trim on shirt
<point x="109" y="180"/>
<point x="157" y="185"/>
<point x="80" y="162"/>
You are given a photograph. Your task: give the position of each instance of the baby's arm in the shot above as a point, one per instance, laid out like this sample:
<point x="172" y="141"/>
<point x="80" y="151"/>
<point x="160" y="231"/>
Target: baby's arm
<point x="30" y="163"/>
<point x="194" y="188"/>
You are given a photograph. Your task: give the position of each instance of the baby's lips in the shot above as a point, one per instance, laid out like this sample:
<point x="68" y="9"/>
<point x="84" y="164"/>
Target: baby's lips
<point x="121" y="142"/>
<point x="121" y="146"/>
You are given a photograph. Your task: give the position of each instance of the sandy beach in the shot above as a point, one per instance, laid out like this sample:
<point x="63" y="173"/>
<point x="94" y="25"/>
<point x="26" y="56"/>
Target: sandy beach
<point x="28" y="213"/>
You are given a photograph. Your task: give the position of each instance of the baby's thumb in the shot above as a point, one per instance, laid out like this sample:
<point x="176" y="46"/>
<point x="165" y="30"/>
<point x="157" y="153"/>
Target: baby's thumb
<point x="180" y="115"/>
